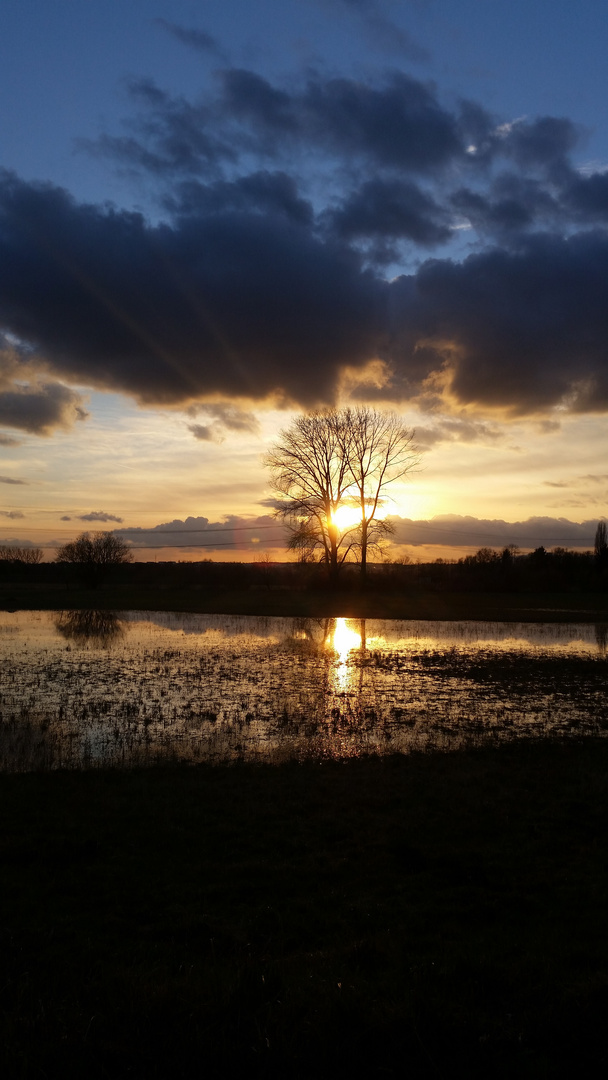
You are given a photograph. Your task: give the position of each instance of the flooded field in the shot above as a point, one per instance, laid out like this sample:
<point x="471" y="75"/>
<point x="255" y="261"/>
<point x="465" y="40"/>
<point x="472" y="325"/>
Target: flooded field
<point x="85" y="688"/>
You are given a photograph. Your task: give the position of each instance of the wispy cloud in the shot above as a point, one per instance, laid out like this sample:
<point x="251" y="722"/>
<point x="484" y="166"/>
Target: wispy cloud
<point x="98" y="515"/>
<point x="194" y="38"/>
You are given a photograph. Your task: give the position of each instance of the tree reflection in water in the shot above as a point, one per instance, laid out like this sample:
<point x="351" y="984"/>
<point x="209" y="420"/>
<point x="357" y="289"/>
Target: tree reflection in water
<point x="100" y="628"/>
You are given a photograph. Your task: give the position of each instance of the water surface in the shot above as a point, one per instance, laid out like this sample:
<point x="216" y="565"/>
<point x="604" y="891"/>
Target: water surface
<point x="80" y="689"/>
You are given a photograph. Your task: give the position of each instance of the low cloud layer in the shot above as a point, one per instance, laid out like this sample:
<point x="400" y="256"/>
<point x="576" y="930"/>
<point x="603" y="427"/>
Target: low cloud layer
<point x="285" y="213"/>
<point x="453" y="531"/>
<point x="235" y="533"/>
<point x="447" y="530"/>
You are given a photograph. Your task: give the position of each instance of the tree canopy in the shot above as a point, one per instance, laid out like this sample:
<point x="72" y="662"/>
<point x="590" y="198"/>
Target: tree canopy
<point x="330" y="470"/>
<point x="95" y="553"/>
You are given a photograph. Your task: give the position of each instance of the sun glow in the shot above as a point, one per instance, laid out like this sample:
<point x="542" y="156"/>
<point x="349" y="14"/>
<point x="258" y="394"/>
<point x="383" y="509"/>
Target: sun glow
<point x="347" y="516"/>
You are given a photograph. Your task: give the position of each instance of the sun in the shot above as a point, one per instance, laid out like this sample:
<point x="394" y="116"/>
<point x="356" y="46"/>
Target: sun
<point x="346" y="516"/>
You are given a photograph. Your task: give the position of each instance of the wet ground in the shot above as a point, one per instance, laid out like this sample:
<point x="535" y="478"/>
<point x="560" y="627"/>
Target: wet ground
<point x="85" y="688"/>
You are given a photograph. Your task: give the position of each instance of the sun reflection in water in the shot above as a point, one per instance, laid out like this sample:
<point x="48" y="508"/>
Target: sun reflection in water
<point x="343" y="640"/>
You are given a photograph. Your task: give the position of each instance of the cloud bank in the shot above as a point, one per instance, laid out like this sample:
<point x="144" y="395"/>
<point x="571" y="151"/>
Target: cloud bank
<point x="198" y="533"/>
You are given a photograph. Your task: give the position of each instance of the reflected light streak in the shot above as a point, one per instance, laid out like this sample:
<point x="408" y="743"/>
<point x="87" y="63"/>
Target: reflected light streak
<point x="343" y="640"/>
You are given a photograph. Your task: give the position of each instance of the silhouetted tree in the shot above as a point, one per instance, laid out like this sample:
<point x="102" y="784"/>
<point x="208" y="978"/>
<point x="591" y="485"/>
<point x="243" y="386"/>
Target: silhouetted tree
<point x="601" y="545"/>
<point x="309" y="471"/>
<point x="379" y="451"/>
<point x="335" y="458"/>
<point x="95" y="554"/>
<point x="30" y="556"/>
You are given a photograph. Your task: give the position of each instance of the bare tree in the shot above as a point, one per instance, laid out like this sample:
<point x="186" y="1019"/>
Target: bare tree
<point x="379" y="450"/>
<point x="95" y="554"/>
<point x="601" y="545"/>
<point x="334" y="459"/>
<point x="29" y="555"/>
<point x="309" y="470"/>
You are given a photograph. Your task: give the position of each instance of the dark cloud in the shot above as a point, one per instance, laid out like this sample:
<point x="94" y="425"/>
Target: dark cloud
<point x="399" y="124"/>
<point x="272" y="504"/>
<point x="194" y="38"/>
<point x="168" y="136"/>
<point x="233" y="304"/>
<point x="232" y="417"/>
<point x="262" y="192"/>
<point x="456" y="429"/>
<point x="204" y="432"/>
<point x="29" y="398"/>
<point x="251" y="305"/>
<point x="514" y="203"/>
<point x="10" y="480"/>
<point x="522" y="331"/>
<point x="41" y="409"/>
<point x="8" y="440"/>
<point x="66" y="517"/>
<point x="587" y="196"/>
<point x="99" y="515"/>
<point x="545" y="141"/>
<point x="13" y="514"/>
<point x="251" y="99"/>
<point x="224" y="418"/>
<point x="511" y="205"/>
<point x="389" y="211"/>
<point x="281" y="203"/>
<point x="396" y="124"/>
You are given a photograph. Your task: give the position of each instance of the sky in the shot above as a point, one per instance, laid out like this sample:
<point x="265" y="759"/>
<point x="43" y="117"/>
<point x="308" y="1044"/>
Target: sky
<point x="217" y="215"/>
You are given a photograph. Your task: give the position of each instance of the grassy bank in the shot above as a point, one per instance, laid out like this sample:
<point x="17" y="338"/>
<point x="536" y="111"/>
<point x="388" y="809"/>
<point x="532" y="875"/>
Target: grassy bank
<point x="421" y="916"/>
<point x="411" y="604"/>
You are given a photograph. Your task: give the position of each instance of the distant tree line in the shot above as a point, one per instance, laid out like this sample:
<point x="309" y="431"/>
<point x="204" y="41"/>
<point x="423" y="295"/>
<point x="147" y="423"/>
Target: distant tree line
<point x="93" y="558"/>
<point x="488" y="570"/>
<point x="26" y="555"/>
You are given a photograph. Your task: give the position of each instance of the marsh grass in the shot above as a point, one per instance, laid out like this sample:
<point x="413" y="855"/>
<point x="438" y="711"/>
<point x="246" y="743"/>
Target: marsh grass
<point x="221" y="688"/>
<point x="421" y="916"/>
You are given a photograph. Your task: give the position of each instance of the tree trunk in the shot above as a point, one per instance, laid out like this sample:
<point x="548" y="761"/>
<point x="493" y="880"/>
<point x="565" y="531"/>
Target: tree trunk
<point x="363" y="552"/>
<point x="334" y="567"/>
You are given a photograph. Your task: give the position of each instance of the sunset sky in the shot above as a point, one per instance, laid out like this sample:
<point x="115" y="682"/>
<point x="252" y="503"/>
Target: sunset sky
<point x="217" y="213"/>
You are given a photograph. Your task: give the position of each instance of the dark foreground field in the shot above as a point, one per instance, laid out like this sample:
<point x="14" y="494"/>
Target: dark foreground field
<point x="415" y="917"/>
